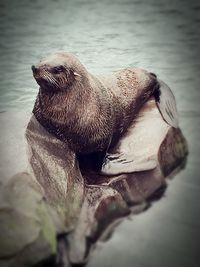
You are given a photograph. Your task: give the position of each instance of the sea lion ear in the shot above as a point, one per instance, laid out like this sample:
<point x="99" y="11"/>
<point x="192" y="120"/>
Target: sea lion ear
<point x="76" y="74"/>
<point x="73" y="76"/>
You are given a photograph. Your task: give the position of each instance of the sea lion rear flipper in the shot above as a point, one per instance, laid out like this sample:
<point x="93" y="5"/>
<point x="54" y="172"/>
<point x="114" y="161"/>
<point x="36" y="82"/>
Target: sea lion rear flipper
<point x="138" y="149"/>
<point x="166" y="104"/>
<point x="115" y="164"/>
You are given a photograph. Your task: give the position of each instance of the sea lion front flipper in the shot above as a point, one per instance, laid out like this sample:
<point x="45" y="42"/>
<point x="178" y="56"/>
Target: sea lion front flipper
<point x="115" y="164"/>
<point x="166" y="104"/>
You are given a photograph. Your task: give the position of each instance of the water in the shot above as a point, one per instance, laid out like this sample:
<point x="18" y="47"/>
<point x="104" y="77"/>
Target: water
<point x="161" y="36"/>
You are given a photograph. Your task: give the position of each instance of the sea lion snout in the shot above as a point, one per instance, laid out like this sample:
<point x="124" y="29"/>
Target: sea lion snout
<point x="42" y="78"/>
<point x="36" y="72"/>
<point x="34" y="69"/>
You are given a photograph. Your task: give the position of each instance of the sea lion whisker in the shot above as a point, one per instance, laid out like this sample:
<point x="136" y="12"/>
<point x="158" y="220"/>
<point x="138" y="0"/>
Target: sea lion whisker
<point x="54" y="80"/>
<point x="45" y="76"/>
<point x="50" y="79"/>
<point x="67" y="70"/>
<point x="64" y="80"/>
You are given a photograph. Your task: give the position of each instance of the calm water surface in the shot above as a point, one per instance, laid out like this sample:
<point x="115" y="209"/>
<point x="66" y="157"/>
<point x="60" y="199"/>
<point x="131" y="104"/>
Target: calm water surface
<point x="161" y="36"/>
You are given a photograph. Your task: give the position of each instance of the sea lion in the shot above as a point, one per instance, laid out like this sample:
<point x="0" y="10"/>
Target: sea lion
<point x="91" y="113"/>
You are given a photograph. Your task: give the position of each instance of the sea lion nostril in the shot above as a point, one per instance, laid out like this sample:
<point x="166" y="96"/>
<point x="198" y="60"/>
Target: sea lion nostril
<point x="34" y="69"/>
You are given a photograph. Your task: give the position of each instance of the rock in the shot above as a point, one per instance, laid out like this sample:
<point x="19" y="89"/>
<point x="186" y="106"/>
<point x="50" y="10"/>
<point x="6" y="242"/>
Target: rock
<point x="55" y="168"/>
<point x="48" y="204"/>
<point x="109" y="198"/>
<point x="28" y="232"/>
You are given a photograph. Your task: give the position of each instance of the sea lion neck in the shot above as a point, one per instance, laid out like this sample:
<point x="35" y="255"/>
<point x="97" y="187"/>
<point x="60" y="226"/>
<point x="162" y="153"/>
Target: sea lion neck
<point x="65" y="107"/>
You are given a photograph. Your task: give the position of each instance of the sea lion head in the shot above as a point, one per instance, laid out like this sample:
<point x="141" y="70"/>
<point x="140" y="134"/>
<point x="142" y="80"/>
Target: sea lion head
<point x="63" y="95"/>
<point x="58" y="72"/>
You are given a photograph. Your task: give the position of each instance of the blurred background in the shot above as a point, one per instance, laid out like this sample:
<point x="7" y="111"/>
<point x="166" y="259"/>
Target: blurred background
<point x="160" y="36"/>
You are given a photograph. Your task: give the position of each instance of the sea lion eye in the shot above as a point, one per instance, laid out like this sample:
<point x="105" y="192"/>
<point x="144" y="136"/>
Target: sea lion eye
<point x="58" y="69"/>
